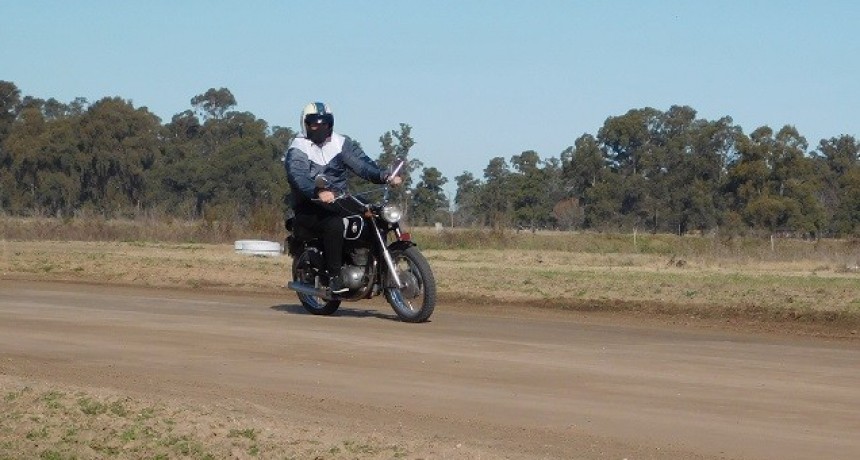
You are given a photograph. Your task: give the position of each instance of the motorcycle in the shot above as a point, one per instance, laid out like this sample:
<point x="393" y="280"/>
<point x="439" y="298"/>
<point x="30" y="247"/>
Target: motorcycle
<point x="379" y="258"/>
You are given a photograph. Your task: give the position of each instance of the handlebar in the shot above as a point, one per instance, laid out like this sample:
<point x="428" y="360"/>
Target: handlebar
<point x="355" y="205"/>
<point x="352" y="195"/>
<point x="322" y="182"/>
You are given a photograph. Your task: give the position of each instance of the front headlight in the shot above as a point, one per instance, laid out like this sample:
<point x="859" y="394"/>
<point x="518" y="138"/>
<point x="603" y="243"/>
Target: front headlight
<point x="391" y="213"/>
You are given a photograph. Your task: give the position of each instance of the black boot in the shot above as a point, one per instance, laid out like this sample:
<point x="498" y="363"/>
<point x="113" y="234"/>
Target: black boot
<point x="336" y="285"/>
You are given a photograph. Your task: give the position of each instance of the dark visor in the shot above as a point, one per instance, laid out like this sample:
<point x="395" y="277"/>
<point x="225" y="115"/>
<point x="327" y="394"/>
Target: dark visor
<point x="315" y="119"/>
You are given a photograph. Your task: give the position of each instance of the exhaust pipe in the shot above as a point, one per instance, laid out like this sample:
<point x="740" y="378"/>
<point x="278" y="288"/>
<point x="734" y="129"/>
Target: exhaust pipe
<point x="308" y="289"/>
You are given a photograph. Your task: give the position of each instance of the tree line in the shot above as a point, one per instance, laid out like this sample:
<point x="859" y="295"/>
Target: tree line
<point x="660" y="171"/>
<point x="672" y="172"/>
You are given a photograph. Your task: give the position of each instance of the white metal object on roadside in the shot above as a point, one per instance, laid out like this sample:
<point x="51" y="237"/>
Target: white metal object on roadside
<point x="258" y="248"/>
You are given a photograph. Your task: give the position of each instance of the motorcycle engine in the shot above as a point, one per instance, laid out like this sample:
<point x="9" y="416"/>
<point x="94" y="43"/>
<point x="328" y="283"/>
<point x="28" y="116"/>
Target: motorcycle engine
<point x="359" y="255"/>
<point x="352" y="276"/>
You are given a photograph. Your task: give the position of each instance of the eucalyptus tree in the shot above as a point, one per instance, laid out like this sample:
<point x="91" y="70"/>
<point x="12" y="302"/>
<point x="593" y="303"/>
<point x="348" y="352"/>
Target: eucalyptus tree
<point x="467" y="199"/>
<point x="177" y="179"/>
<point x="214" y="103"/>
<point x="838" y="159"/>
<point x="591" y="187"/>
<point x="10" y="98"/>
<point x="582" y="165"/>
<point x="535" y="188"/>
<point x="244" y="175"/>
<point x="685" y="172"/>
<point x="400" y="149"/>
<point x="395" y="144"/>
<point x="497" y="194"/>
<point x="428" y="198"/>
<point x="230" y="178"/>
<point x="795" y="177"/>
<point x="42" y="174"/>
<point x="213" y="108"/>
<point x="634" y="149"/>
<point x="118" y="144"/>
<point x="39" y="153"/>
<point x="628" y="140"/>
<point x="712" y="146"/>
<point x="22" y="160"/>
<point x="773" y="182"/>
<point x="669" y="170"/>
<point x="280" y="138"/>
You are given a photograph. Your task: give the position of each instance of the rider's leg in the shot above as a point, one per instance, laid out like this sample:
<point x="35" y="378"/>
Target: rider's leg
<point x="332" y="230"/>
<point x="328" y="226"/>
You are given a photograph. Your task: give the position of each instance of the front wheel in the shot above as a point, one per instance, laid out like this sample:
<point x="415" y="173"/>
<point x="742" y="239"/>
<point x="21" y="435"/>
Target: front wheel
<point x="415" y="301"/>
<point x="303" y="273"/>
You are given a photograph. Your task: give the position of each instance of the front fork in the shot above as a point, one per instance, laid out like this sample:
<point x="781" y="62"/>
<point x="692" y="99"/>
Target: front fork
<point x="386" y="254"/>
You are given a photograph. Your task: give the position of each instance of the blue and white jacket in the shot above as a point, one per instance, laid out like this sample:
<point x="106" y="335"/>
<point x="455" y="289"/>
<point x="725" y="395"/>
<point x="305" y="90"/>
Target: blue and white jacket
<point x="305" y="161"/>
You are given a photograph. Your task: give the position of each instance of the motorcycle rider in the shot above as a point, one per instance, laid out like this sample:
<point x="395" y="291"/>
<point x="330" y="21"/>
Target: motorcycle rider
<point x="320" y="150"/>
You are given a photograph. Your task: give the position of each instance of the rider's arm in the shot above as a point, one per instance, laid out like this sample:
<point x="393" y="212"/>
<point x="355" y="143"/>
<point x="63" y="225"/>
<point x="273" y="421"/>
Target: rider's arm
<point x="355" y="158"/>
<point x="299" y="172"/>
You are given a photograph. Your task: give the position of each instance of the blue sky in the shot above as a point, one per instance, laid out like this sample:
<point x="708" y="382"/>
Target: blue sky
<point x="475" y="79"/>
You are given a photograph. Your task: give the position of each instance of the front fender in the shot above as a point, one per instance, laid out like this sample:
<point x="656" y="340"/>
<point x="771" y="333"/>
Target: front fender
<point x="400" y="245"/>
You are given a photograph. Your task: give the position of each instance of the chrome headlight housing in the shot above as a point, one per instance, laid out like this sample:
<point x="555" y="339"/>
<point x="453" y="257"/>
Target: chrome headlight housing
<point x="391" y="213"/>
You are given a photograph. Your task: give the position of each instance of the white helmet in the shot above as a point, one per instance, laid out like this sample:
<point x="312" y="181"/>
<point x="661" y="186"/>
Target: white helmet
<point x="316" y="112"/>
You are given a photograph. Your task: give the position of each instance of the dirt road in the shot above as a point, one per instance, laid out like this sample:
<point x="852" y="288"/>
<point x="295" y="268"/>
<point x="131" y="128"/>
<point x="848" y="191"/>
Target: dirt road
<point x="487" y="383"/>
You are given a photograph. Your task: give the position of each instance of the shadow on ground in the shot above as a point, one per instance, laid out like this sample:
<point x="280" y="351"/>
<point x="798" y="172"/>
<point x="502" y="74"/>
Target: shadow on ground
<point x="298" y="309"/>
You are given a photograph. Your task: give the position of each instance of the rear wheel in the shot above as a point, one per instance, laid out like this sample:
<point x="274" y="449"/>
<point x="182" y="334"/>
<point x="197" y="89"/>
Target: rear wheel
<point x="304" y="273"/>
<point x="415" y="301"/>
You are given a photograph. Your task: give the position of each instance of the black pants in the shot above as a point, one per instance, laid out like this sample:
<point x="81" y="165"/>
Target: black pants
<point x="328" y="224"/>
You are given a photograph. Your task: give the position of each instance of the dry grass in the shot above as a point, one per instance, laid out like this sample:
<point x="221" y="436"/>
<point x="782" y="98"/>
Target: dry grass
<point x="794" y="290"/>
<point x="145" y="264"/>
<point x="47" y="422"/>
<point x="142" y="229"/>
